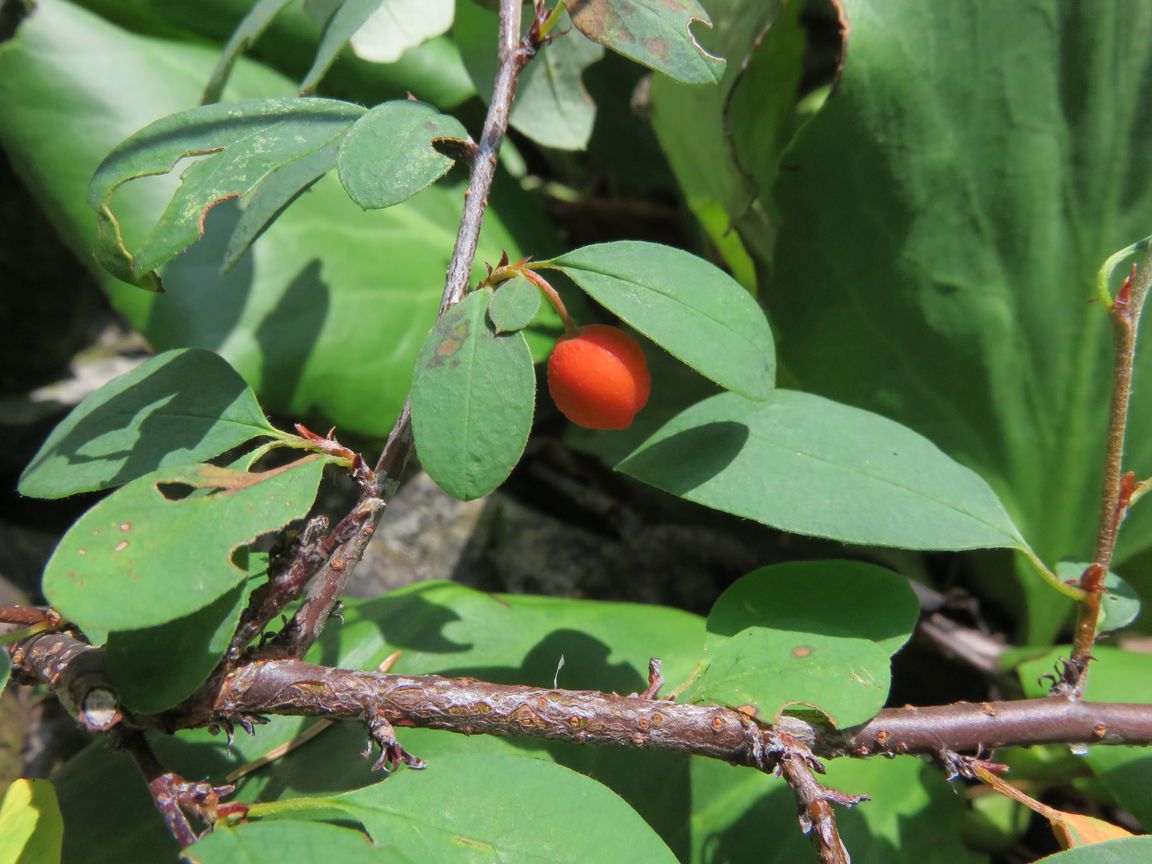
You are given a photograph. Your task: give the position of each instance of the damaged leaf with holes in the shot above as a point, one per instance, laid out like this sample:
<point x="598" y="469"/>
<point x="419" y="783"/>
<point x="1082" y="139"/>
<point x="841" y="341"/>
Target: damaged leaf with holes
<point x="164" y="546"/>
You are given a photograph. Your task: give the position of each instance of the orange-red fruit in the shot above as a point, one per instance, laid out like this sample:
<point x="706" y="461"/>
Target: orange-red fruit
<point x="599" y="377"/>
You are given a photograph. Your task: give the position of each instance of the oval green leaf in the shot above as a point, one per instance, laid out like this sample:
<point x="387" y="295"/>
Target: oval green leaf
<point x="514" y="305"/>
<point x="654" y="33"/>
<point x="31" y="827"/>
<point x="242" y="143"/>
<point x="179" y="407"/>
<point x="155" y="668"/>
<point x="141" y="558"/>
<point x="285" y="842"/>
<point x="812" y="466"/>
<point x="473" y="396"/>
<point x="387" y="155"/>
<point x="832" y="597"/>
<point x="499" y="804"/>
<point x="692" y="309"/>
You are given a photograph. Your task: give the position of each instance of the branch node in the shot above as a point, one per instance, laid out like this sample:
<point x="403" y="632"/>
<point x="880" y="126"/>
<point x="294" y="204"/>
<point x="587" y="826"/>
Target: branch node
<point x="392" y="753"/>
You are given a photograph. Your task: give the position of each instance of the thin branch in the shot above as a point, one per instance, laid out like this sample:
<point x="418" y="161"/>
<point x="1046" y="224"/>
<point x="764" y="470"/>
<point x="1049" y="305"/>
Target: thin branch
<point x="29" y="616"/>
<point x="325" y="568"/>
<point x="974" y="726"/>
<point x="1117" y="488"/>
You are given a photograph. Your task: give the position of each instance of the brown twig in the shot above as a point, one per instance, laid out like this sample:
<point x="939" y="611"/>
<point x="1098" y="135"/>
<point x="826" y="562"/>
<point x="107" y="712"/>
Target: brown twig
<point x="174" y="796"/>
<point x="817" y="817"/>
<point x="1117" y="487"/>
<point x="326" y="582"/>
<point x="28" y="616"/>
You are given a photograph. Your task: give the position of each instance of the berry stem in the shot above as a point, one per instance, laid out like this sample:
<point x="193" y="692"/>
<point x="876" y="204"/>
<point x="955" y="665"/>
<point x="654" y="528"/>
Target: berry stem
<point x="553" y="298"/>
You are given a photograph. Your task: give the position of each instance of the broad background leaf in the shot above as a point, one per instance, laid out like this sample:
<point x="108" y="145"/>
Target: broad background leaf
<point x="684" y="304"/>
<point x="138" y="558"/>
<point x="326" y="314"/>
<point x="399" y="25"/>
<point x="433" y="71"/>
<point x="473" y="396"/>
<point x="811" y="466"/>
<point x="764" y="44"/>
<point x="31" y="828"/>
<point x="180" y="407"/>
<point x="939" y="269"/>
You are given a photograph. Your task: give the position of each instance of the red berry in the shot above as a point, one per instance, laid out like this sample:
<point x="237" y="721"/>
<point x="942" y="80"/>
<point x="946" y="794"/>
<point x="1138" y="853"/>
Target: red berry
<point x="599" y="377"/>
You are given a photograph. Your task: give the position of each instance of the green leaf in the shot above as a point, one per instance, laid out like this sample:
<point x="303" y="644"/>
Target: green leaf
<point x="1128" y="850"/>
<point x="289" y="841"/>
<point x="302" y="317"/>
<point x="432" y="71"/>
<point x="499" y="804"/>
<point x="818" y="633"/>
<point x="179" y="407"/>
<point x="242" y="143"/>
<point x="514" y="305"/>
<point x="399" y="25"/>
<point x="1118" y="608"/>
<point x="271" y="198"/>
<point x="722" y="149"/>
<point x="833" y="597"/>
<point x="654" y="33"/>
<point x="938" y="269"/>
<point x="5" y="669"/>
<point x="811" y="466"/>
<point x="31" y="828"/>
<point x="844" y="677"/>
<point x="346" y="19"/>
<point x="552" y="107"/>
<point x="473" y="394"/>
<point x="685" y="305"/>
<point x="387" y="156"/>
<point x="155" y="668"/>
<point x="142" y="557"/>
<point x="247" y="32"/>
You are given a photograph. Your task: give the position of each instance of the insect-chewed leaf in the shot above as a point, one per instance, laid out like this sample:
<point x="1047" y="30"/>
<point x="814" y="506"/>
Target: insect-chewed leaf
<point x="808" y="465"/>
<point x="243" y="143"/>
<point x="473" y="396"/>
<point x="162" y="547"/>
<point x="179" y="407"/>
<point x="654" y="33"/>
<point x="514" y="305"/>
<point x="388" y="156"/>
<point x="690" y="308"/>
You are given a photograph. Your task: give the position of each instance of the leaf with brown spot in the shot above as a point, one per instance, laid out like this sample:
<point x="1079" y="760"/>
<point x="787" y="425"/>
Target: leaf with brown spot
<point x="654" y="33"/>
